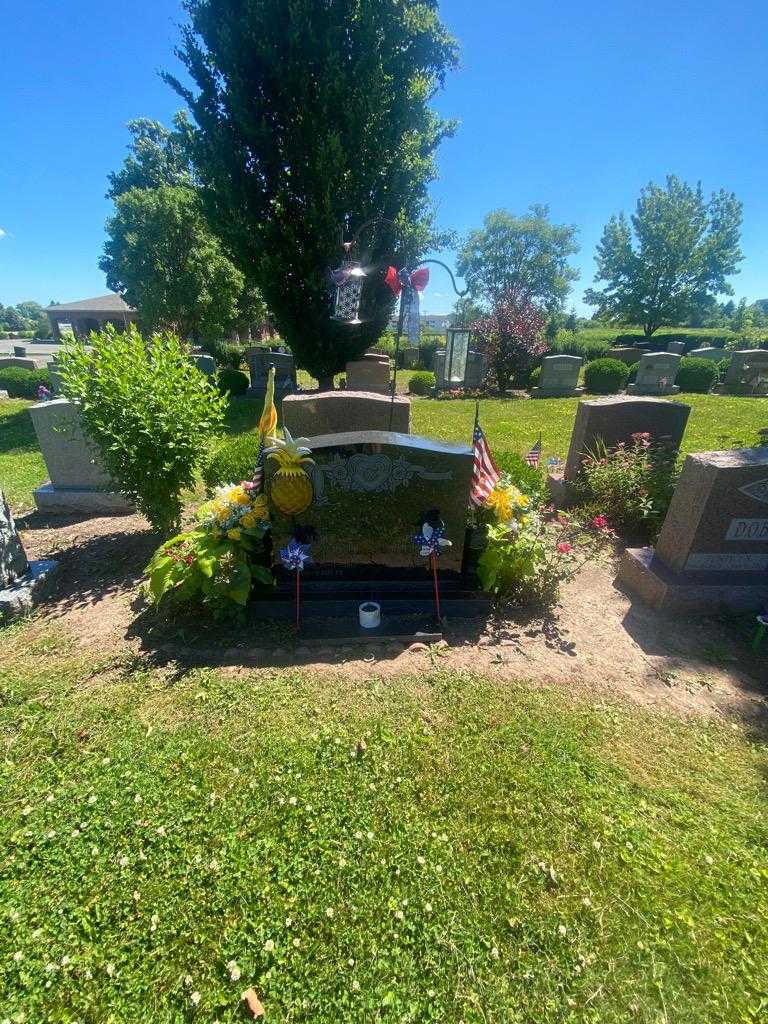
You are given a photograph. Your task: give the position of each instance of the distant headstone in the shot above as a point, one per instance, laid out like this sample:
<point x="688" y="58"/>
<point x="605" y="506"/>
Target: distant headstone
<point x="678" y="347"/>
<point x="259" y="362"/>
<point x="205" y="364"/>
<point x="716" y="354"/>
<point x="22" y="583"/>
<point x="408" y="359"/>
<point x="713" y="545"/>
<point x="370" y="487"/>
<point x="22" y="363"/>
<point x="474" y="374"/>
<point x="78" y="480"/>
<point x="331" y="412"/>
<point x="370" y="373"/>
<point x="616" y="418"/>
<point x="747" y="374"/>
<point x="19" y="350"/>
<point x="656" y="374"/>
<point x="559" y="377"/>
<point x="627" y="354"/>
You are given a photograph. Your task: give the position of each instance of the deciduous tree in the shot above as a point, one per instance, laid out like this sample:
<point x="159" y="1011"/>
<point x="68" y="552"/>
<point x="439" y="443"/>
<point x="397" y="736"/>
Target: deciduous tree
<point x="678" y="249"/>
<point x="527" y="254"/>
<point x="512" y="337"/>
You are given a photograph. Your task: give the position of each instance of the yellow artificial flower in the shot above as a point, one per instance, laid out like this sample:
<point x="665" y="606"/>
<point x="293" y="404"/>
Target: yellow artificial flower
<point x="222" y="513"/>
<point x="260" y="508"/>
<point x="238" y="496"/>
<point x="500" y="502"/>
<point x="249" y="520"/>
<point x="233" y="534"/>
<point x="523" y="501"/>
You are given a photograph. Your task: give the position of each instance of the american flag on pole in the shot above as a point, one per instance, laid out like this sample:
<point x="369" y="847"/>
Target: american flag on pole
<point x="533" y="458"/>
<point x="485" y="473"/>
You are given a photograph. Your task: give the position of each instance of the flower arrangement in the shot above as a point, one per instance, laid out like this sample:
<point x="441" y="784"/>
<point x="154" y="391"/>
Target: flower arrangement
<point x="532" y="550"/>
<point x="219" y="561"/>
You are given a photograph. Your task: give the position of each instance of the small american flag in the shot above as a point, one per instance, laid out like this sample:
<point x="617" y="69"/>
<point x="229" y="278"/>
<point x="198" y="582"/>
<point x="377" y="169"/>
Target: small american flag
<point x="533" y="458"/>
<point x="485" y="472"/>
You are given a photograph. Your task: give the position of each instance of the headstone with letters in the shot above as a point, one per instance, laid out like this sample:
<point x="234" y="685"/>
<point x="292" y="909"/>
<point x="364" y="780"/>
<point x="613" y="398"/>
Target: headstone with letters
<point x="713" y="546"/>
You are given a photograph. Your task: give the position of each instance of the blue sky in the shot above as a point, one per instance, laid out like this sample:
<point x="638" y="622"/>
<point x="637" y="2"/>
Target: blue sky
<point x="572" y="104"/>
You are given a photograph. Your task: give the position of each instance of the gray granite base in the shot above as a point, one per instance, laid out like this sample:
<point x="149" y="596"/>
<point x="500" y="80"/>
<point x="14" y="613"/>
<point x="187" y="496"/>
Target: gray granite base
<point x="556" y="392"/>
<point x="561" y="491"/>
<point x="72" y="500"/>
<point x="25" y="593"/>
<point x="655" y="584"/>
<point x="674" y="390"/>
<point x="739" y="390"/>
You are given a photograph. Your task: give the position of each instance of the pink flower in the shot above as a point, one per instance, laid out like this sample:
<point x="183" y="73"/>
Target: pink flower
<point x="600" y="523"/>
<point x="564" y="548"/>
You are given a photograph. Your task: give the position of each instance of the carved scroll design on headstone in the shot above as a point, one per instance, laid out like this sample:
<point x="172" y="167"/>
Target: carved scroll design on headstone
<point x="373" y="473"/>
<point x="757" y="490"/>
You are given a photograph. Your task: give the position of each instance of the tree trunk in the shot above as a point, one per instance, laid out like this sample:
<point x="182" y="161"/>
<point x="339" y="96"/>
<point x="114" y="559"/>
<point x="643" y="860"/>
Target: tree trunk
<point x="325" y="383"/>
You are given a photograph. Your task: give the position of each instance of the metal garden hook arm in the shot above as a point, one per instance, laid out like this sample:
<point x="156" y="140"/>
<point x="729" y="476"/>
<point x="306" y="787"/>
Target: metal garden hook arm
<point x="461" y="295"/>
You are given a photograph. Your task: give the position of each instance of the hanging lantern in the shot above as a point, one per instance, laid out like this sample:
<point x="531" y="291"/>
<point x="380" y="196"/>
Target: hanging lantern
<point x="349" y="280"/>
<point x="457" y="341"/>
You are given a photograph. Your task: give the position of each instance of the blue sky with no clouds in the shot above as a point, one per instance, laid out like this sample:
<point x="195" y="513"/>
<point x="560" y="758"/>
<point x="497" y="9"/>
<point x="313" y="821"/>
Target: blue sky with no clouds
<point x="572" y="104"/>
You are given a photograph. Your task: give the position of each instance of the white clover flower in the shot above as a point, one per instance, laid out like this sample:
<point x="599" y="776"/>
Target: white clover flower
<point x="234" y="971"/>
<point x="296" y="943"/>
<point x="351" y="962"/>
<point x="51" y="968"/>
<point x="137" y="798"/>
<point x="75" y="833"/>
<point x="51" y="834"/>
<point x="586" y="901"/>
<point x="195" y="998"/>
<point x="123" y="861"/>
<point x="369" y="835"/>
<point x="26" y="811"/>
<point x="708" y="859"/>
<point x="92" y="798"/>
<point x="329" y="911"/>
<point x="110" y="969"/>
<point x="154" y="921"/>
<point x="399" y="915"/>
<point x="421" y="860"/>
<point x="49" y="798"/>
<point x="428" y="908"/>
<point x="160" y="830"/>
<point x="342" y="862"/>
<point x="292" y="801"/>
<point x="65" y="961"/>
<point x="188" y="980"/>
<point x="495" y="953"/>
<point x="358" y="834"/>
<point x="17" y="955"/>
<point x="214" y="865"/>
<point x="355" y="985"/>
<point x="561" y="929"/>
<point x="269" y="946"/>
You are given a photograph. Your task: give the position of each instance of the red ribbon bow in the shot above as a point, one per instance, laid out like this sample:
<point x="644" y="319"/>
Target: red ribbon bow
<point x="395" y="280"/>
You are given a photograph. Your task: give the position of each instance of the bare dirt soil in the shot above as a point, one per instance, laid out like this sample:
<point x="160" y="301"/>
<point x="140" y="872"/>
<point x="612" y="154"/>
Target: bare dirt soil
<point x="596" y="640"/>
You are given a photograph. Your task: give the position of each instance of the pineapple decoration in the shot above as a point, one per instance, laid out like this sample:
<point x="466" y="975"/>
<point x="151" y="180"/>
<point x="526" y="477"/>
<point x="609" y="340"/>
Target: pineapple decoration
<point x="291" y="489"/>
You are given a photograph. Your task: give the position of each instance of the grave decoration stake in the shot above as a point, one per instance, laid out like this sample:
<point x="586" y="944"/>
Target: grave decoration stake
<point x="295" y="556"/>
<point x="762" y="625"/>
<point x="430" y="540"/>
<point x="348" y="281"/>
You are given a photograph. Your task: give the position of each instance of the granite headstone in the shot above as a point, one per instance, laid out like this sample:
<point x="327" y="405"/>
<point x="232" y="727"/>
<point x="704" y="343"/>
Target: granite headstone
<point x="713" y="545"/>
<point x="22" y="583"/>
<point x="370" y="373"/>
<point x="370" y="487"/>
<point x="559" y="377"/>
<point x="332" y="412"/>
<point x="709" y="352"/>
<point x="78" y="481"/>
<point x="656" y="374"/>
<point x="747" y="374"/>
<point x="259" y="362"/>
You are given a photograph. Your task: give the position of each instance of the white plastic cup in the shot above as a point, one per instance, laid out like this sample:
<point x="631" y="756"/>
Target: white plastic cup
<point x="370" y="615"/>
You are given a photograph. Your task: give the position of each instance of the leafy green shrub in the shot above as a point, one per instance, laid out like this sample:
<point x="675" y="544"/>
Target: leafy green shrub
<point x="230" y="354"/>
<point x="632" y="484"/>
<point x="534" y="377"/>
<point x="230" y="460"/>
<point x="150" y="412"/>
<point x="605" y="376"/>
<point x="22" y="383"/>
<point x="422" y="382"/>
<point x="722" y="367"/>
<point x="697" y="375"/>
<point x="575" y="345"/>
<point x="232" y="382"/>
<point x="528" y="479"/>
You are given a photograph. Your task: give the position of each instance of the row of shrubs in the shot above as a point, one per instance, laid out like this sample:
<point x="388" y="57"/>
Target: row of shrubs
<point x="609" y="376"/>
<point x="21" y="383"/>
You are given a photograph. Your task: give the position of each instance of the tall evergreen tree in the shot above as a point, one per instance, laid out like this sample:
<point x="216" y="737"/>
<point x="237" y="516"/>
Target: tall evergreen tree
<point x="309" y="118"/>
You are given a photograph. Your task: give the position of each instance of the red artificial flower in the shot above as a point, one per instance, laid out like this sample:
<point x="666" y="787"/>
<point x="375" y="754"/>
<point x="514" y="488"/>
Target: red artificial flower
<point x="600" y="523"/>
<point x="564" y="548"/>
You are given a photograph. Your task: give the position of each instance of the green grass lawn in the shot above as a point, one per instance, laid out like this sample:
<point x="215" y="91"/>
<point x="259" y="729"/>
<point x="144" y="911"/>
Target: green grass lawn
<point x="21" y="464"/>
<point x="495" y="854"/>
<point x="716" y="422"/>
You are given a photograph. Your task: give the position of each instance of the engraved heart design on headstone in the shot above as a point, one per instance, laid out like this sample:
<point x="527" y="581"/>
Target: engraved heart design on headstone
<point x="369" y="472"/>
